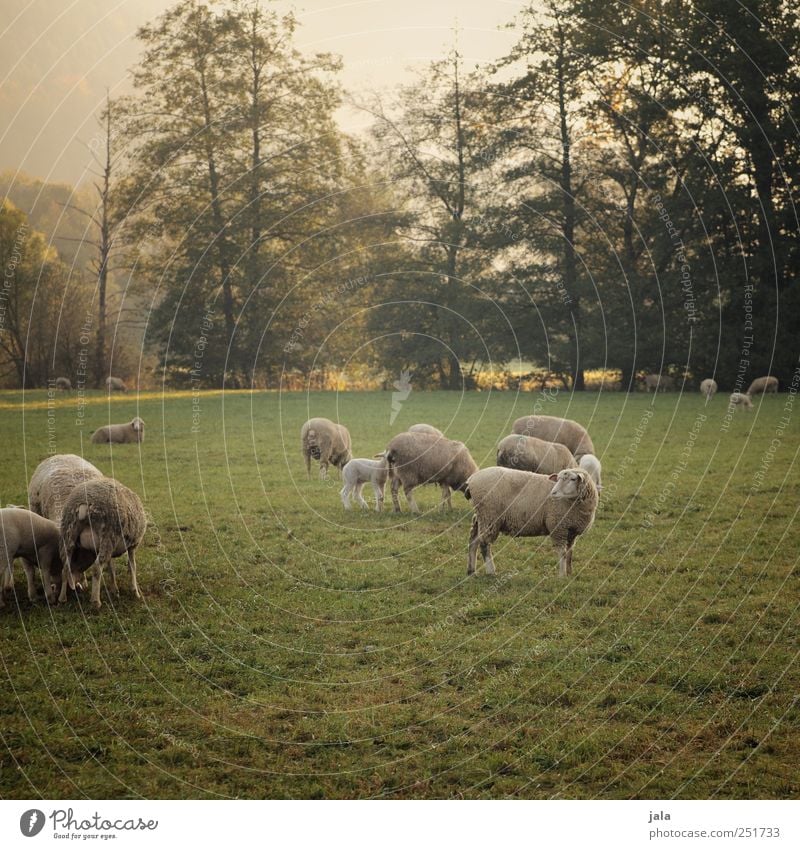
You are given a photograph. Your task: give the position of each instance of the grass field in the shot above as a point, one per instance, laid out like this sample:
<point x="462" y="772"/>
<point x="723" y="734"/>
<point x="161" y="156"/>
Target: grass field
<point x="287" y="649"/>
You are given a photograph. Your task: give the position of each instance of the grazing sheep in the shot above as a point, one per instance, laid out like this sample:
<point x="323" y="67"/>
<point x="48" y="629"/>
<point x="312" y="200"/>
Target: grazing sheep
<point x="132" y="431"/>
<point x="709" y="388"/>
<point x="64" y="384"/>
<point x="116" y="384"/>
<point x="564" y="431"/>
<point x="531" y="454"/>
<point x="425" y="428"/>
<point x="36" y="540"/>
<point x="360" y="471"/>
<point x="595" y="469"/>
<point x="524" y="504"/>
<point x="763" y="384"/>
<point x="419" y="458"/>
<point x="741" y="399"/>
<point x="107" y="519"/>
<point x="327" y="442"/>
<point x="54" y="479"/>
<point x="654" y="382"/>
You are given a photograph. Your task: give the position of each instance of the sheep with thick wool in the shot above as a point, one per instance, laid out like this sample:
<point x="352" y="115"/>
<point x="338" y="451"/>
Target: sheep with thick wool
<point x="763" y="385"/>
<point x="116" y="384"/>
<point x="531" y="454"/>
<point x="416" y="459"/>
<point x="64" y="384"/>
<point x="592" y="465"/>
<point x="327" y="442"/>
<point x="425" y="428"/>
<point x="54" y="479"/>
<point x="132" y="431"/>
<point x="656" y="382"/>
<point x="708" y="387"/>
<point x="741" y="399"/>
<point x="526" y="504"/>
<point x="360" y="471"/>
<point x="107" y="519"/>
<point x="553" y="429"/>
<point x="36" y="540"/>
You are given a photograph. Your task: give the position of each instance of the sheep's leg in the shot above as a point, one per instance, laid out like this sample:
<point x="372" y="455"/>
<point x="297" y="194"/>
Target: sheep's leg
<point x="486" y="553"/>
<point x="378" y="496"/>
<point x="345" y="495"/>
<point x="472" y="549"/>
<point x="565" y="561"/>
<point x="409" y="494"/>
<point x="67" y="578"/>
<point x="30" y="577"/>
<point x="113" y="571"/>
<point x="307" y="457"/>
<point x="96" y="571"/>
<point x="445" y="503"/>
<point x="132" y="567"/>
<point x="360" y="497"/>
<point x="6" y="575"/>
<point x="323" y="469"/>
<point x="395" y="494"/>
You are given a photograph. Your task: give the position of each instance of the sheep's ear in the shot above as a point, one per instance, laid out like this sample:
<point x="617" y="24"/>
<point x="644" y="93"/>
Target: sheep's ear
<point x="553" y="477"/>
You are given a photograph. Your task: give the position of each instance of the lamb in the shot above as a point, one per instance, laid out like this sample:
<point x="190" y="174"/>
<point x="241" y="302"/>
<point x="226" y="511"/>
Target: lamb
<point x="741" y="399"/>
<point x="531" y="454"/>
<point x="360" y="471"/>
<point x="64" y="384"/>
<point x="419" y="458"/>
<point x="425" y="428"/>
<point x="327" y="442"/>
<point x="763" y="384"/>
<point x="564" y="431"/>
<point x="592" y="465"/>
<point x="54" y="479"/>
<point x="132" y="431"/>
<point x="107" y="519"/>
<point x="708" y="387"/>
<point x="116" y="384"/>
<point x="654" y="382"/>
<point x="526" y="504"/>
<point x="36" y="540"/>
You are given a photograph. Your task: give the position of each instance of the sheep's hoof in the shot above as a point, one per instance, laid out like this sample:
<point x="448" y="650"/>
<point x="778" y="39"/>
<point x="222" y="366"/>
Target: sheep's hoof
<point x="96" y="605"/>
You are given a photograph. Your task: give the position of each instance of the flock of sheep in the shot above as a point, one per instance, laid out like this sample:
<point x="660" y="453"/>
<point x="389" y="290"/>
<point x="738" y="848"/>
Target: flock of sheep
<point x="708" y="387"/>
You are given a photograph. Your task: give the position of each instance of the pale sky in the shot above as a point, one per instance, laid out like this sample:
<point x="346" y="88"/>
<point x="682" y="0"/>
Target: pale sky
<point x="57" y="57"/>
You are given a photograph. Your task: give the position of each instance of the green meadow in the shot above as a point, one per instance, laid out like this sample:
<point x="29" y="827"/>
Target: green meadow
<point x="285" y="648"/>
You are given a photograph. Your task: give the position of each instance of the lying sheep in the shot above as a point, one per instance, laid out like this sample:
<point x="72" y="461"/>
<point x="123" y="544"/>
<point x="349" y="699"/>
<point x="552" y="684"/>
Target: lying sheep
<point x="419" y="458"/>
<point x="64" y="384"/>
<point x="524" y="504"/>
<point x="425" y="428"/>
<point x="53" y="481"/>
<point x="763" y="384"/>
<point x="564" y="431"/>
<point x="531" y="454"/>
<point x="327" y="442"/>
<point x="36" y="540"/>
<point x="741" y="399"/>
<point x="132" y="431"/>
<point x="116" y="384"/>
<point x="654" y="382"/>
<point x="709" y="388"/>
<point x="360" y="471"/>
<point x="107" y="519"/>
<point x="595" y="469"/>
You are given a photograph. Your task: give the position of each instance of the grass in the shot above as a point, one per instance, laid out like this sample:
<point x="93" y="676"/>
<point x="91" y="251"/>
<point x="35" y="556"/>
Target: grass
<point x="287" y="649"/>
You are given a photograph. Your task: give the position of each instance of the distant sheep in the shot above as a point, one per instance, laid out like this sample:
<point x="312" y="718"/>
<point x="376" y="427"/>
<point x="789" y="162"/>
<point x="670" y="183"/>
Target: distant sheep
<point x="531" y="454"/>
<point x="36" y="540"/>
<point x="425" y="428"/>
<point x="132" y="431"/>
<point x="421" y="458"/>
<point x="553" y="429"/>
<point x="709" y="388"/>
<point x="327" y="442"/>
<point x="54" y="479"/>
<point x="656" y="382"/>
<point x="740" y="399"/>
<point x="64" y="384"/>
<point x="116" y="384"/>
<point x="763" y="385"/>
<point x="360" y="471"/>
<point x="107" y="519"/>
<point x="524" y="504"/>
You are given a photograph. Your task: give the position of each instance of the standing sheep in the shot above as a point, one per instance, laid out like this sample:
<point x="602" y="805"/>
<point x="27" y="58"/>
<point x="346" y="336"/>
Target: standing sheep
<point x="107" y="519"/>
<point x="524" y="504"/>
<point x="425" y="428"/>
<point x="763" y="385"/>
<point x="53" y="481"/>
<point x="132" y="431"/>
<point x="36" y="540"/>
<point x="592" y="465"/>
<point x="531" y="454"/>
<point x="654" y="382"/>
<point x="551" y="428"/>
<point x="116" y="384"/>
<point x="420" y="458"/>
<point x="708" y="387"/>
<point x="360" y="471"/>
<point x="741" y="399"/>
<point x="327" y="442"/>
<point x="64" y="384"/>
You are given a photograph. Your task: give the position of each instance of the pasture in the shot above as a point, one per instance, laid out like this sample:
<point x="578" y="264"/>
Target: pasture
<point x="287" y="649"/>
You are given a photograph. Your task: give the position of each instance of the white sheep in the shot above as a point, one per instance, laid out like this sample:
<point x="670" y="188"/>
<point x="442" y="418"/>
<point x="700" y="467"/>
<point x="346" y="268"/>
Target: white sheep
<point x="327" y="442"/>
<point x="36" y="540"/>
<point x="525" y="504"/>
<point x="54" y="479"/>
<point x="656" y="382"/>
<point x="553" y="429"/>
<point x="420" y="458"/>
<point x="64" y="384"/>
<point x="741" y="399"/>
<point x="360" y="471"/>
<point x="425" y="428"/>
<point x="531" y="454"/>
<point x="709" y="387"/>
<point x="132" y="431"/>
<point x="593" y="466"/>
<point x="116" y="384"/>
<point x="763" y="384"/>
<point x="106" y="519"/>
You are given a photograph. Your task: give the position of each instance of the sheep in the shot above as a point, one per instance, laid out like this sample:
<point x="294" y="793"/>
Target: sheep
<point x="327" y="442"/>
<point x="419" y="458"/>
<point x="107" y="519"/>
<point x="595" y="469"/>
<point x="64" y="384"/>
<point x="36" y="540"/>
<point x="763" y="384"/>
<point x="116" y="384"/>
<point x="741" y="399"/>
<point x="54" y="479"/>
<point x="360" y="471"/>
<point x="564" y="431"/>
<point x="654" y="382"/>
<point x="526" y="504"/>
<point x="425" y="428"/>
<point x="132" y="431"/>
<point x="531" y="454"/>
<point x="708" y="387"/>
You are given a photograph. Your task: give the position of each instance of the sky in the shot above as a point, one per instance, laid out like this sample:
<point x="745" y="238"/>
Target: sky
<point x="58" y="58"/>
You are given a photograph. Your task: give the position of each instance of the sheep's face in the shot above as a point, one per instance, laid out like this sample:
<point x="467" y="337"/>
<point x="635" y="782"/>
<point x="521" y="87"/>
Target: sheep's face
<point x="570" y="483"/>
<point x="137" y="424"/>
